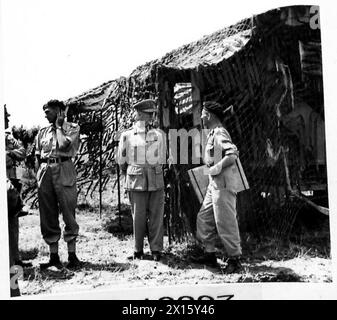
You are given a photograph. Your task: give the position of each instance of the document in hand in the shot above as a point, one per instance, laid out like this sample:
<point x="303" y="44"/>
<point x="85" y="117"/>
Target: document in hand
<point x="234" y="176"/>
<point x="199" y="181"/>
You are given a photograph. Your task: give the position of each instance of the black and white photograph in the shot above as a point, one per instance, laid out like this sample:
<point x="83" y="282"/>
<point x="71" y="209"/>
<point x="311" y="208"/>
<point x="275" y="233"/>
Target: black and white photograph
<point x="165" y="150"/>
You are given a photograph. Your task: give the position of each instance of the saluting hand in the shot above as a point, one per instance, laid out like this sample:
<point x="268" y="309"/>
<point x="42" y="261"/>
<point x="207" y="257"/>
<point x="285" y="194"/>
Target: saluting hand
<point x="60" y="118"/>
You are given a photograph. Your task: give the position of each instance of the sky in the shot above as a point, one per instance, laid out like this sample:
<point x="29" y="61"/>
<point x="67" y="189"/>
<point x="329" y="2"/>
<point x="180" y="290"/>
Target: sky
<point x="59" y="49"/>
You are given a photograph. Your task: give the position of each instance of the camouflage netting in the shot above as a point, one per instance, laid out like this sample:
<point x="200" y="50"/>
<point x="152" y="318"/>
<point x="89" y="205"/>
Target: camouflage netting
<point x="260" y="70"/>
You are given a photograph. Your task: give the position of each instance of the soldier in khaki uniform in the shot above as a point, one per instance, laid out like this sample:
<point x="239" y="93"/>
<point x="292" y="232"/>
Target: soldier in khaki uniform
<point x="56" y="145"/>
<point x="218" y="216"/>
<point x="14" y="152"/>
<point x="141" y="153"/>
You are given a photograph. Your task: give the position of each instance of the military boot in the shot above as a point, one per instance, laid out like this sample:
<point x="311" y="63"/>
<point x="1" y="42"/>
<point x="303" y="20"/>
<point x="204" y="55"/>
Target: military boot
<point x="233" y="266"/>
<point x="73" y="262"/>
<point x="54" y="261"/>
<point x="156" y="255"/>
<point x="136" y="255"/>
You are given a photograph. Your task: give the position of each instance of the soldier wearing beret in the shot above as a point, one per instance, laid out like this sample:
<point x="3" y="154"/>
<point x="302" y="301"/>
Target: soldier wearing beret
<point x="217" y="216"/>
<point x="56" y="145"/>
<point x="140" y="154"/>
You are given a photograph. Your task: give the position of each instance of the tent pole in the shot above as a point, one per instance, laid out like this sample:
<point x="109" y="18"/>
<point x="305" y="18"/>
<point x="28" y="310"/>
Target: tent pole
<point x="118" y="176"/>
<point x="100" y="164"/>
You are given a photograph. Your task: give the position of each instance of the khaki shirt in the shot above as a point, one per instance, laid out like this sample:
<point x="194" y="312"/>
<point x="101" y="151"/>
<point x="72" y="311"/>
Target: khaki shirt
<point x="46" y="141"/>
<point x="18" y="153"/>
<point x="47" y="147"/>
<point x="141" y="155"/>
<point x="218" y="145"/>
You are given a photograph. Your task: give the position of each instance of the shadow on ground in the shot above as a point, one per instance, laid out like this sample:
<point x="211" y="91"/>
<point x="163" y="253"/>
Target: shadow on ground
<point x="35" y="273"/>
<point x="112" y="267"/>
<point x="251" y="272"/>
<point x="29" y="254"/>
<point x="180" y="258"/>
<point x="269" y="274"/>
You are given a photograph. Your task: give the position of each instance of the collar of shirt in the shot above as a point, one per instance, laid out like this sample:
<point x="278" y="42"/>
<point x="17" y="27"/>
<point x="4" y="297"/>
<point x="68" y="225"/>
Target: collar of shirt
<point x="210" y="133"/>
<point x="47" y="142"/>
<point x="139" y="127"/>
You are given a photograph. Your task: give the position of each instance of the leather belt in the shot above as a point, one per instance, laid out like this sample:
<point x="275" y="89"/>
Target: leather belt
<point x="55" y="160"/>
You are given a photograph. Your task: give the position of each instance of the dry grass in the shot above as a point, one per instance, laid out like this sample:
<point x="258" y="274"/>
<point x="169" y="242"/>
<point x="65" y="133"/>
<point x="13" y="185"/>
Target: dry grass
<point x="105" y="248"/>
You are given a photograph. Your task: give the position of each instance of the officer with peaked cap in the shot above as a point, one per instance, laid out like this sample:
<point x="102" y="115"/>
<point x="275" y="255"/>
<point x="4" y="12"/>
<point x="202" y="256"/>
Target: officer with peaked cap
<point x="217" y="215"/>
<point x="141" y="153"/>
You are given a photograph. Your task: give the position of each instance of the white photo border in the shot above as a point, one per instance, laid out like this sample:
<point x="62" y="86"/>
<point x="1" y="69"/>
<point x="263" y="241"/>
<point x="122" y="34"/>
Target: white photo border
<point x="328" y="19"/>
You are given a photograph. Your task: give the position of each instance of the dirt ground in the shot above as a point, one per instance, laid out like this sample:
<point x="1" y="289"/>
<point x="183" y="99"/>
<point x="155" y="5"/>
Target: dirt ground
<point x="105" y="251"/>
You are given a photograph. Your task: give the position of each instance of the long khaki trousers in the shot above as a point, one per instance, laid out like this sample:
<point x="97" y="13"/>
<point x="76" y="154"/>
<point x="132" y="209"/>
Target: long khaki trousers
<point x="217" y="216"/>
<point x="57" y="193"/>
<point x="148" y="213"/>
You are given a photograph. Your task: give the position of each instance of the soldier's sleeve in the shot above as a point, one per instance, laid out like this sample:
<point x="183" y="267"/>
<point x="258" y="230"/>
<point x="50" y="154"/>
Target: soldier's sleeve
<point x="37" y="144"/>
<point x="18" y="152"/>
<point x="223" y="140"/>
<point x="121" y="158"/>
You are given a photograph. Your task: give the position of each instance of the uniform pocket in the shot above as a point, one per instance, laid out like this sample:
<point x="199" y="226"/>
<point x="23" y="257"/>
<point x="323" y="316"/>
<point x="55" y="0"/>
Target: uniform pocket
<point x="134" y="171"/>
<point x="134" y="178"/>
<point x="47" y="144"/>
<point x="67" y="174"/>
